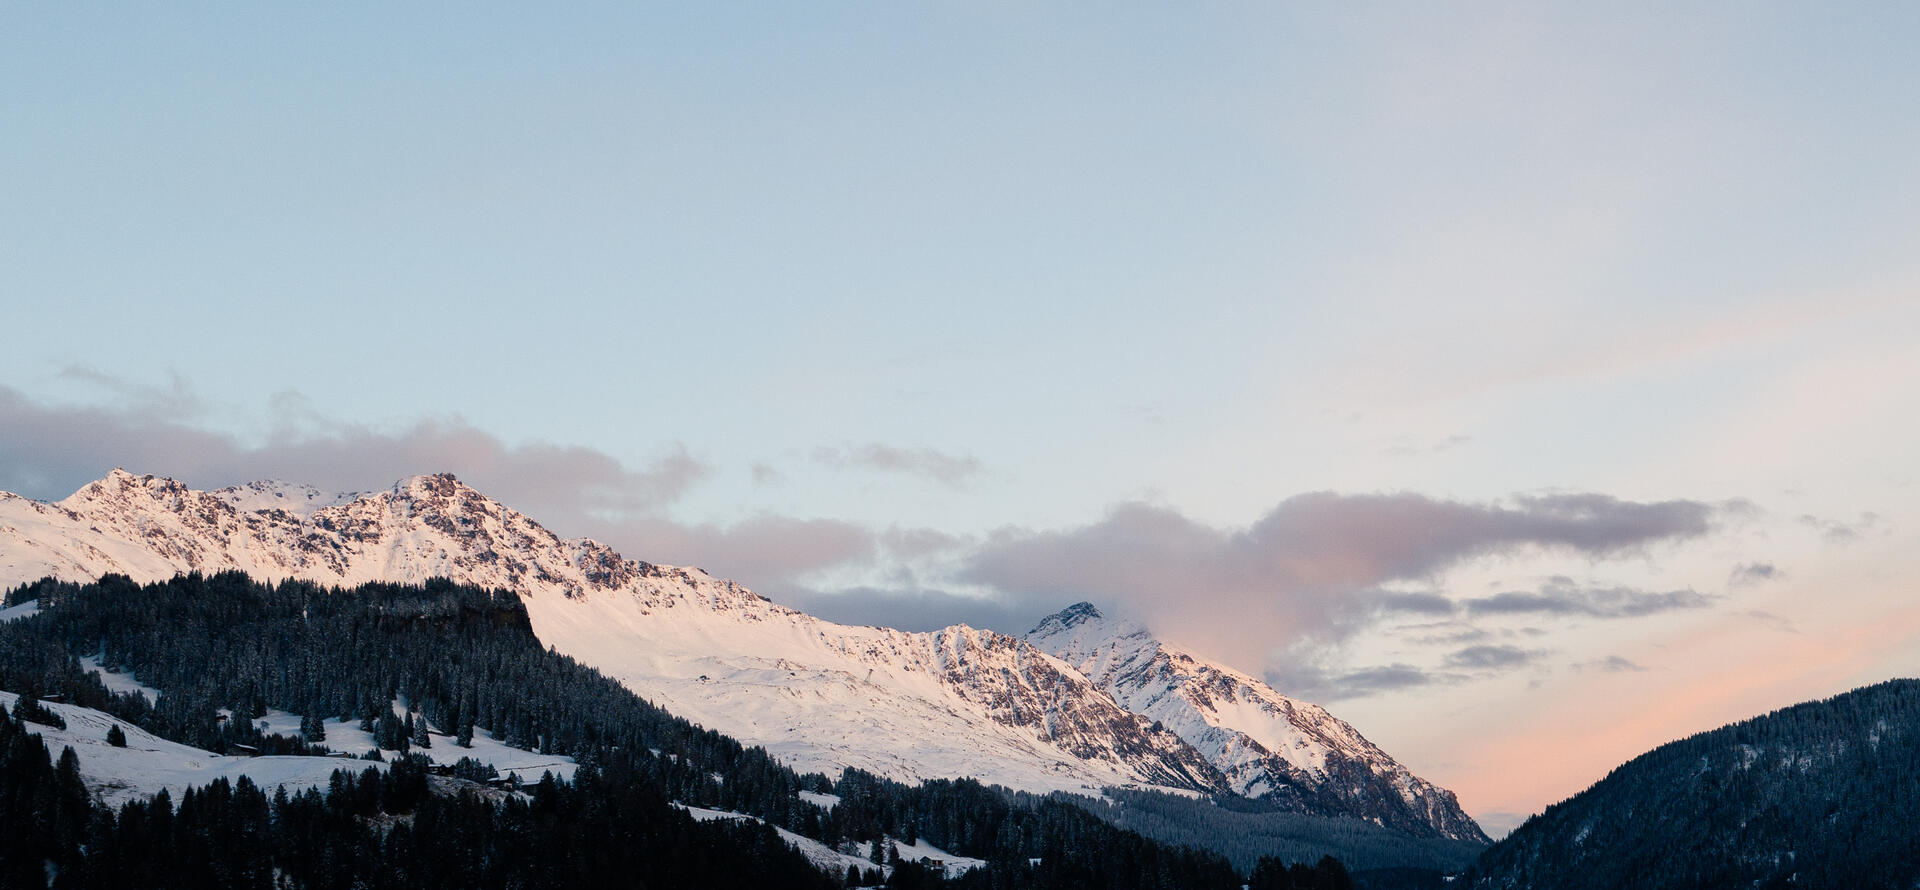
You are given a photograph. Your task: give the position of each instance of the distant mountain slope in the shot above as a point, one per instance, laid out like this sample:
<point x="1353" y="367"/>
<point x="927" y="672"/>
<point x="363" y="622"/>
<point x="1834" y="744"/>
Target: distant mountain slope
<point x="1268" y="745"/>
<point x="1821" y="794"/>
<point x="822" y="696"/>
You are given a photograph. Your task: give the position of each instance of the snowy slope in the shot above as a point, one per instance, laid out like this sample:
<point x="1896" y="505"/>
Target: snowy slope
<point x="341" y="736"/>
<point x="955" y="702"/>
<point x="1265" y="743"/>
<point x="149" y="763"/>
<point x="823" y="857"/>
<point x="346" y="736"/>
<point x="927" y="854"/>
<point x="834" y="862"/>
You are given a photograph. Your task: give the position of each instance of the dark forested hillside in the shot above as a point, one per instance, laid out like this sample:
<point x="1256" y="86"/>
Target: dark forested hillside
<point x="467" y="660"/>
<point x="1822" y="794"/>
<point x="373" y="829"/>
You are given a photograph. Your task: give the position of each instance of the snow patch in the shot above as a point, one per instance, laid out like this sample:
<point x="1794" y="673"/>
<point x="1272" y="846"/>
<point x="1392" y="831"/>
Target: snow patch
<point x="823" y="857"/>
<point x="823" y="801"/>
<point x="928" y="854"/>
<point x="347" y="737"/>
<point x="119" y="682"/>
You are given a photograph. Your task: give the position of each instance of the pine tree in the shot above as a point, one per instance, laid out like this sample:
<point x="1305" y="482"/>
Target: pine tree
<point x="312" y="728"/>
<point x="116" y="737"/>
<point x="29" y="710"/>
<point x="70" y="801"/>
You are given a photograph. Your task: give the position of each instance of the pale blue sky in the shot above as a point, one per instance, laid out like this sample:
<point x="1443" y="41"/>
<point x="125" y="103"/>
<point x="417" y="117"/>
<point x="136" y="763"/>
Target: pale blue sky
<point x="954" y="268"/>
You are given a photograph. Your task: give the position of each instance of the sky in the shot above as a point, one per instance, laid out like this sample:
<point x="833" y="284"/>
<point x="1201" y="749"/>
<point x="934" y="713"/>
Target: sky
<point x="1531" y="383"/>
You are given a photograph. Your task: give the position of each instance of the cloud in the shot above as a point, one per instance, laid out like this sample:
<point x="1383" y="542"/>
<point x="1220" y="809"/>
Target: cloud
<point x="1454" y="638"/>
<point x="1839" y="531"/>
<point x="1752" y="574"/>
<point x="1317" y="682"/>
<point x="177" y="399"/>
<point x="778" y="555"/>
<point x="1771" y="620"/>
<point x="1413" y="603"/>
<point x="1493" y="658"/>
<point x="1612" y="664"/>
<point x="50" y="451"/>
<point x="1560" y="596"/>
<point x="908" y="543"/>
<point x="947" y="469"/>
<point x="1312" y="566"/>
<point x="1407" y="446"/>
<point x="1316" y="568"/>
<point x="768" y="553"/>
<point x="916" y="609"/>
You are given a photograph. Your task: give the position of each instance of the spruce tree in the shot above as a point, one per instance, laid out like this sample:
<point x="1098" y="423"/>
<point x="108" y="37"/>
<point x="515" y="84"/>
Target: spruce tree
<point x="312" y="729"/>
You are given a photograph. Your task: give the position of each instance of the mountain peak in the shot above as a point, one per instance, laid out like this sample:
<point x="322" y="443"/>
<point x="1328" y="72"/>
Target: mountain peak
<point x="442" y="484"/>
<point x="1266" y="744"/>
<point x="1072" y="616"/>
<point x="119" y="480"/>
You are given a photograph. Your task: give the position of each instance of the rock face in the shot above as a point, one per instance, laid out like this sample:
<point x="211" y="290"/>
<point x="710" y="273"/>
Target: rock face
<point x="954" y="702"/>
<point x="1267" y="745"/>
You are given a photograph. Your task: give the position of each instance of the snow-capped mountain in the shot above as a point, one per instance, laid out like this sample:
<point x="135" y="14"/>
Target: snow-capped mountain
<point x="1081" y="703"/>
<point x="821" y="696"/>
<point x="1266" y="744"/>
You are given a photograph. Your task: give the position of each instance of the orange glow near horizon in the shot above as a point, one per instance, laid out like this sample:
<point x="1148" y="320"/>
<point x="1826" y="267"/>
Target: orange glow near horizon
<point x="1578" y="739"/>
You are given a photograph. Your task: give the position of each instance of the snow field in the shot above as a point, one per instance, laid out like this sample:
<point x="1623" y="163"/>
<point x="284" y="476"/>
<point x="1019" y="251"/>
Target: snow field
<point x="149" y="763"/>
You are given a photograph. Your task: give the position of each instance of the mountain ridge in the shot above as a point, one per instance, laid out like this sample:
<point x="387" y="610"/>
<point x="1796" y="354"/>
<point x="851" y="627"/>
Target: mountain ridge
<point x="955" y="702"/>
